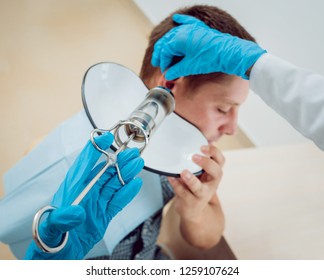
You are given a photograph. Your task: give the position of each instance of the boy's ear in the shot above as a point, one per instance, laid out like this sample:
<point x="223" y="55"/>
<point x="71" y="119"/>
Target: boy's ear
<point x="169" y="84"/>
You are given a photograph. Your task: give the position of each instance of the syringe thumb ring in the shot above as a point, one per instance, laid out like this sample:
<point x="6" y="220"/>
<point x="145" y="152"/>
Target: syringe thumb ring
<point x="36" y="236"/>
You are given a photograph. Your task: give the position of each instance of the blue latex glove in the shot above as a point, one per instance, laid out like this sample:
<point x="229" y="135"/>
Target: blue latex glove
<point x="88" y="221"/>
<point x="204" y="50"/>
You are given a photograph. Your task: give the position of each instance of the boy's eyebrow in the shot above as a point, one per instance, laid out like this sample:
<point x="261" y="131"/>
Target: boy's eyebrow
<point x="230" y="102"/>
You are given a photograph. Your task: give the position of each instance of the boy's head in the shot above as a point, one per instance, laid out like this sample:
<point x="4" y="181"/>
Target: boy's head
<point x="209" y="101"/>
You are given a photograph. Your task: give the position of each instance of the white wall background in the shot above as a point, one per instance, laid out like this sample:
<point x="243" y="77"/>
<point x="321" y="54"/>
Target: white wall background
<point x="292" y="30"/>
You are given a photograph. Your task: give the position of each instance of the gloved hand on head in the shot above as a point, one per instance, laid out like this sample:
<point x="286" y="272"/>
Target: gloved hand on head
<point x="88" y="221"/>
<point x="204" y="50"/>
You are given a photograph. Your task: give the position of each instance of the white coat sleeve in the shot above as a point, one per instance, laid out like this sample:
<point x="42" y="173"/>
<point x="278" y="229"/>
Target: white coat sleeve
<point x="294" y="93"/>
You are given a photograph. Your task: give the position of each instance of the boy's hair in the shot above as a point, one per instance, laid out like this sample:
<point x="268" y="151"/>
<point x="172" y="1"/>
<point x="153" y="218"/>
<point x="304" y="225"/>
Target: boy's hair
<point x="210" y="15"/>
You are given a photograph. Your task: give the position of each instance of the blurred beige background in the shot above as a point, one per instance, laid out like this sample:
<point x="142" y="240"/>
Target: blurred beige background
<point x="46" y="47"/>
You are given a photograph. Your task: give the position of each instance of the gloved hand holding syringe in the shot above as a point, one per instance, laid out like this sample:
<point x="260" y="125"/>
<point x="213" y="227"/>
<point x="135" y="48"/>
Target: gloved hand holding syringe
<point x="76" y="214"/>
